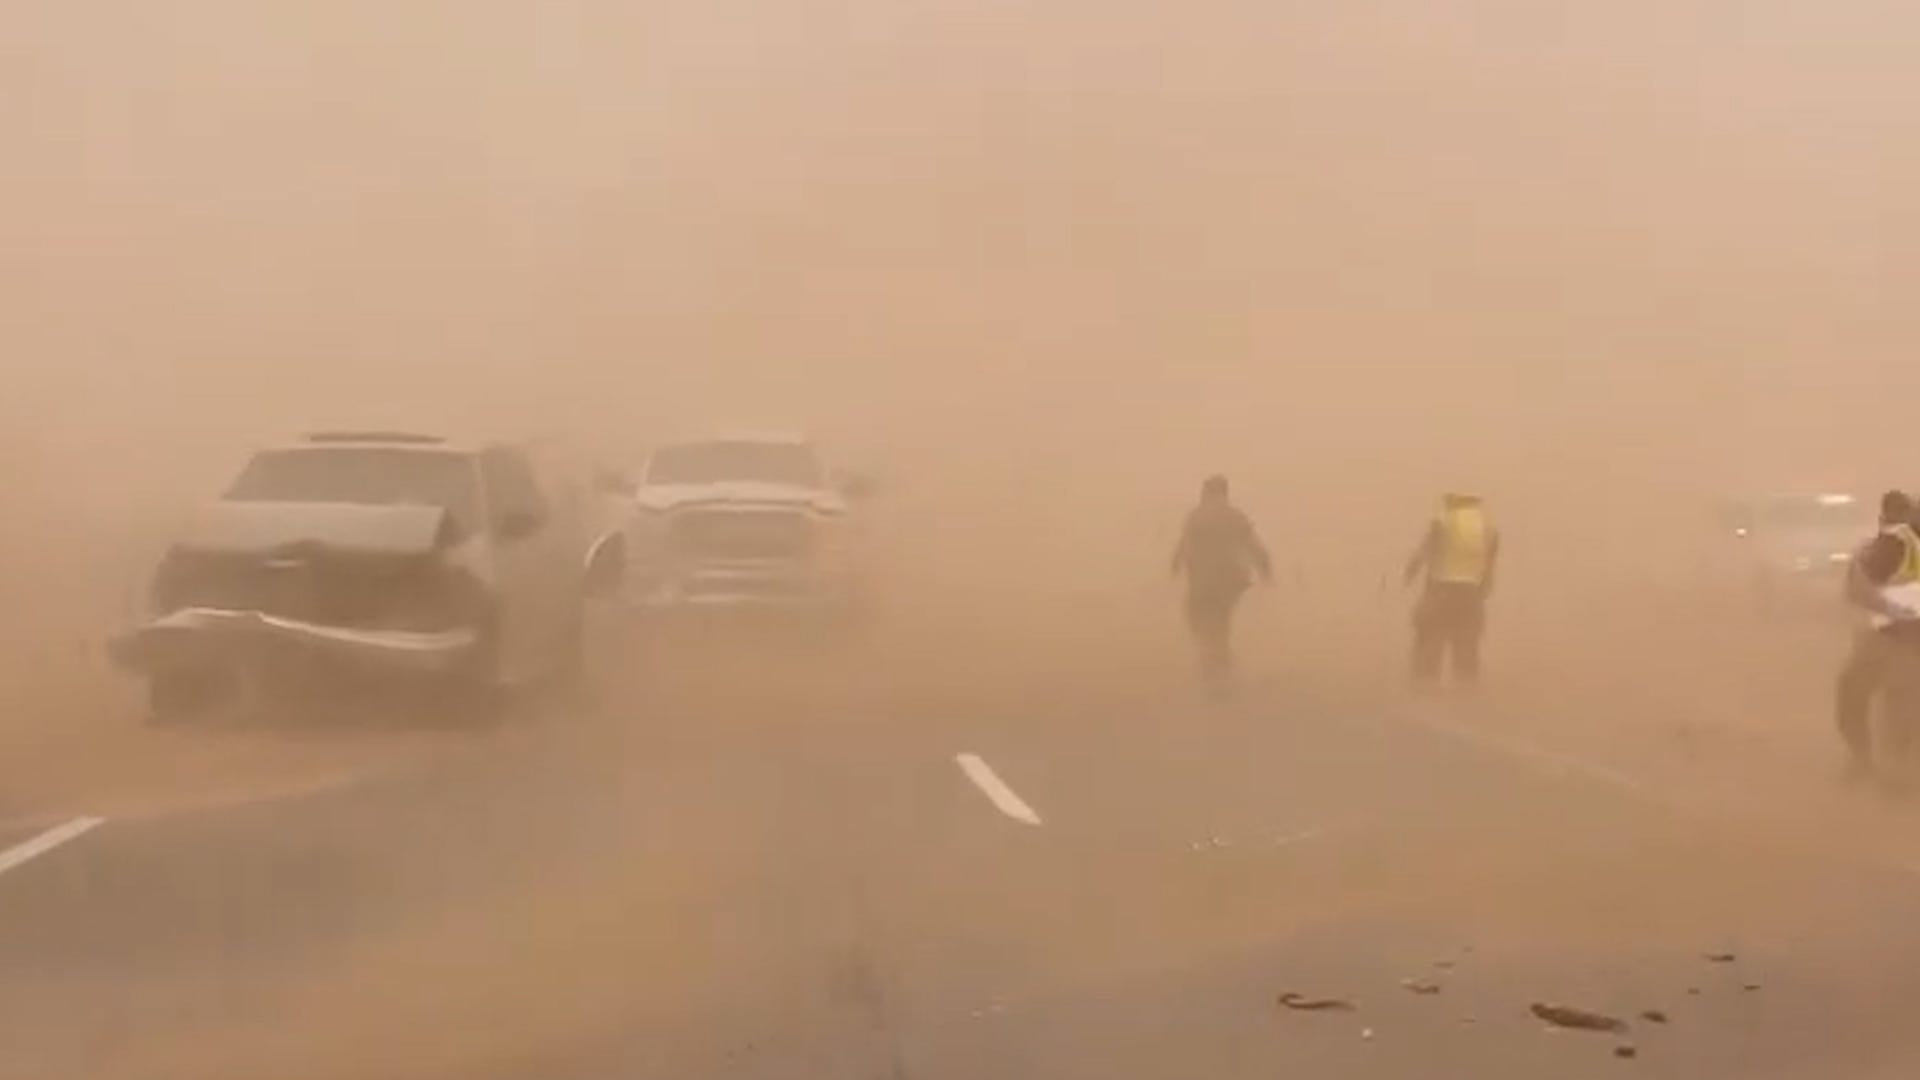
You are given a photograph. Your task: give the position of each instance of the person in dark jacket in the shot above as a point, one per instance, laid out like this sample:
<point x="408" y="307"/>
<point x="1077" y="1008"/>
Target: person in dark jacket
<point x="1885" y="660"/>
<point x="1219" y="552"/>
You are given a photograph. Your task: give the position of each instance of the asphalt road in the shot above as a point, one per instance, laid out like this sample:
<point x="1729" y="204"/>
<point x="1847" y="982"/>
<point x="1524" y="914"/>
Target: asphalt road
<point x="803" y="866"/>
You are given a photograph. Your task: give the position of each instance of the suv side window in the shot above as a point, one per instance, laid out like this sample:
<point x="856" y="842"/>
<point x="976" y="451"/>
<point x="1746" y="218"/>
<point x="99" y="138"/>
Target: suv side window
<point x="512" y="489"/>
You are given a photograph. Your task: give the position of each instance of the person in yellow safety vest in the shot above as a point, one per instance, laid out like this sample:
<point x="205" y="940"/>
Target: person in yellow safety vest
<point x="1885" y="659"/>
<point x="1458" y="557"/>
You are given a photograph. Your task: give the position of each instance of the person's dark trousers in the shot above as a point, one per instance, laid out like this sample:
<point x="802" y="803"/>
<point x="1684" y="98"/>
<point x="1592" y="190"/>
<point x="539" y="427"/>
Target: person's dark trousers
<point x="1449" y="622"/>
<point x="1900" y="717"/>
<point x="1861" y="680"/>
<point x="1210" y="617"/>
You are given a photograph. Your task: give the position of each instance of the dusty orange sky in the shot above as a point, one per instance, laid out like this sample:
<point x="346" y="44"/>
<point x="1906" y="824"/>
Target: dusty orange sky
<point x="1087" y="249"/>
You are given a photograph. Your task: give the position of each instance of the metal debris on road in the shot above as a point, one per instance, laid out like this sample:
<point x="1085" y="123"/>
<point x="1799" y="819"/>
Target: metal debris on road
<point x="1565" y="1016"/>
<point x="1303" y="1003"/>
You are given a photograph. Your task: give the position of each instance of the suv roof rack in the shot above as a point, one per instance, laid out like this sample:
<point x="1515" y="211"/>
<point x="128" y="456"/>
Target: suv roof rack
<point x="404" y="437"/>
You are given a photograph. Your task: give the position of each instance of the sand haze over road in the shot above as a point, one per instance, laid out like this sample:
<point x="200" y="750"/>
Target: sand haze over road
<point x="1040" y="268"/>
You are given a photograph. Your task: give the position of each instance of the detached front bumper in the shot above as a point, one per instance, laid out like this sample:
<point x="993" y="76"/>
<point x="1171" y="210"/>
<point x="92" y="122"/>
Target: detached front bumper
<point x="193" y="636"/>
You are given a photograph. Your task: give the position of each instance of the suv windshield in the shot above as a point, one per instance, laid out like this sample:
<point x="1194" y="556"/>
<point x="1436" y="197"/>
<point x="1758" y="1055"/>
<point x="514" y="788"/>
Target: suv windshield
<point x="365" y="476"/>
<point x="714" y="462"/>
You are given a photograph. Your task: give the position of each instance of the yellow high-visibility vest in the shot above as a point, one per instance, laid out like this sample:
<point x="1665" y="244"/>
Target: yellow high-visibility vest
<point x="1909" y="571"/>
<point x="1466" y="547"/>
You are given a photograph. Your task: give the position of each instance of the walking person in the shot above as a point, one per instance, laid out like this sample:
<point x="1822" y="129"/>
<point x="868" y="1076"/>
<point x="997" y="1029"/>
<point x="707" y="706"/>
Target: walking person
<point x="1457" y="557"/>
<point x="1884" y="662"/>
<point x="1219" y="552"/>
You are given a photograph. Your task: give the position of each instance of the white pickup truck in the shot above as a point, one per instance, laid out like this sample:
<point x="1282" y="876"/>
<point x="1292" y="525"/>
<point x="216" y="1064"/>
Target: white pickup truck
<point x="742" y="521"/>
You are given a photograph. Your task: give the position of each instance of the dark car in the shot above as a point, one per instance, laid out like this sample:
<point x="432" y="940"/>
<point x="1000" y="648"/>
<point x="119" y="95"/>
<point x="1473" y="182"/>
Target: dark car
<point x="381" y="557"/>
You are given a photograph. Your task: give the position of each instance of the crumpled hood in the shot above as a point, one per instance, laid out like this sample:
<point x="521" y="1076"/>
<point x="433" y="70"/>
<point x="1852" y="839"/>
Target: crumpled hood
<point x="232" y="527"/>
<point x="666" y="497"/>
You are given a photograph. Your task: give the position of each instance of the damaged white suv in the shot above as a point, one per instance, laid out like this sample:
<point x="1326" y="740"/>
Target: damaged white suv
<point x="743" y="521"/>
<point x="367" y="554"/>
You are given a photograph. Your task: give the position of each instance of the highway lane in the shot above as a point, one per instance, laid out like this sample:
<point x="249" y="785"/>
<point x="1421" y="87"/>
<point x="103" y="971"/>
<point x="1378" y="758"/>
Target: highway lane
<point x="795" y="875"/>
<point x="1341" y="854"/>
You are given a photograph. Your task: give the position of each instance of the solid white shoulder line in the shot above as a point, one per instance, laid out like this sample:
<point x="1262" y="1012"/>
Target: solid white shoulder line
<point x="47" y="841"/>
<point x="995" y="789"/>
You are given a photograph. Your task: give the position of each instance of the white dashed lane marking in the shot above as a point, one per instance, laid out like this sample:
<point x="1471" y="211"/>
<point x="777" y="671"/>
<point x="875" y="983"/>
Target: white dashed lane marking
<point x="28" y="850"/>
<point x="995" y="789"/>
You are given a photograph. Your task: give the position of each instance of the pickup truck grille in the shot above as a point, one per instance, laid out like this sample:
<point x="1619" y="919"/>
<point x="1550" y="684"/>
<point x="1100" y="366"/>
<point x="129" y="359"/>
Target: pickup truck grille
<point x="742" y="534"/>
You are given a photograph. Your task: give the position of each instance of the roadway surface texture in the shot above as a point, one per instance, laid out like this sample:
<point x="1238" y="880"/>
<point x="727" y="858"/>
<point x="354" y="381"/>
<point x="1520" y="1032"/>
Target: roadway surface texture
<point x="747" y="860"/>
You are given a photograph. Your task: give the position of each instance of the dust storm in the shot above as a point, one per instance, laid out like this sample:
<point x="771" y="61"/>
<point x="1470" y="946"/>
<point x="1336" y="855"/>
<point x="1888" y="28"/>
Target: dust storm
<point x="1038" y="269"/>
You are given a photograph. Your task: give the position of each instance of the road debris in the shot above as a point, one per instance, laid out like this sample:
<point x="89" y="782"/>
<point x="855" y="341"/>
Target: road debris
<point x="1565" y="1016"/>
<point x="1654" y="1016"/>
<point x="1721" y="957"/>
<point x="1420" y="986"/>
<point x="1303" y="1003"/>
<point x="1626" y="1050"/>
<point x="1750" y="987"/>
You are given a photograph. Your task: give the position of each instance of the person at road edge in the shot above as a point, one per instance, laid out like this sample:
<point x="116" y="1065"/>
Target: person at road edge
<point x="1885" y="658"/>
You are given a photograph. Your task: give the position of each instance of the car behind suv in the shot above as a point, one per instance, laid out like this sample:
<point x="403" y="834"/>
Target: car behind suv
<point x="369" y="554"/>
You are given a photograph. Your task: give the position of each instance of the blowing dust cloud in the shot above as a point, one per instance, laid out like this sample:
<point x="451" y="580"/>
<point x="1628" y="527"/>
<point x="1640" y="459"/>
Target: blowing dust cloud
<point x="1022" y="276"/>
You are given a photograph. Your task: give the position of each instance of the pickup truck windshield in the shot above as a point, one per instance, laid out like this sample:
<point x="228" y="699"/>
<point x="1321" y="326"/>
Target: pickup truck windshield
<point x="718" y="462"/>
<point x="367" y="476"/>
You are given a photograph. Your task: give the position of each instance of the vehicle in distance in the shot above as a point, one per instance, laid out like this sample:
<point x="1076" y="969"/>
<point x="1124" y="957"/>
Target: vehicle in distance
<point x="755" y="521"/>
<point x="1798" y="545"/>
<point x="345" y="555"/>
